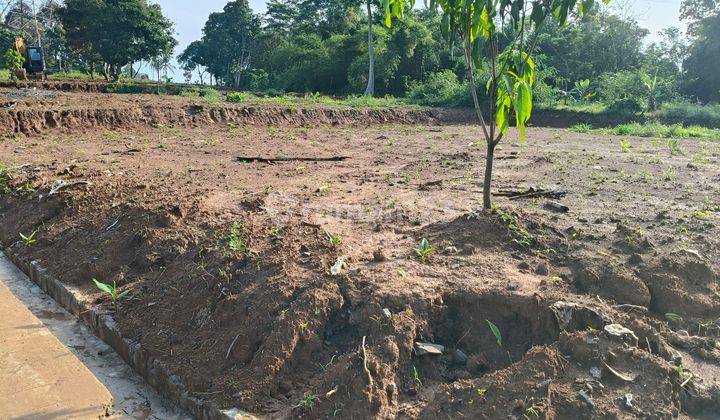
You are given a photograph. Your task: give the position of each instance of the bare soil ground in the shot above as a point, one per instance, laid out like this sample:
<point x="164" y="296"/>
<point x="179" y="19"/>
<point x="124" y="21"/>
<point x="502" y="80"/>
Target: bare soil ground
<point x="237" y="287"/>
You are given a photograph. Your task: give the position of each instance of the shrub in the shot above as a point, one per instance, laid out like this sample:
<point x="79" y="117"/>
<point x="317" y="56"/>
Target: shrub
<point x="626" y="106"/>
<point x="12" y="60"/>
<point x="690" y="114"/>
<point x="209" y="94"/>
<point x="440" y="89"/>
<point x="124" y="88"/>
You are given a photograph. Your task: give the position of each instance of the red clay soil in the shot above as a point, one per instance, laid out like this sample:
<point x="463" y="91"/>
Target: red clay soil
<point x="233" y="275"/>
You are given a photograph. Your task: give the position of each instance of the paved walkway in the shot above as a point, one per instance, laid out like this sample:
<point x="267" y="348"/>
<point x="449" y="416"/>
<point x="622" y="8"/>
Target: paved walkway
<point x="53" y="367"/>
<point x="39" y="377"/>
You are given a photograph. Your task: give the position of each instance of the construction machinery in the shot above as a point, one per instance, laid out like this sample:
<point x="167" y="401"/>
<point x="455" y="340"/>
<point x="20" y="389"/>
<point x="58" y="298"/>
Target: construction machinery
<point x="21" y="18"/>
<point x="34" y="59"/>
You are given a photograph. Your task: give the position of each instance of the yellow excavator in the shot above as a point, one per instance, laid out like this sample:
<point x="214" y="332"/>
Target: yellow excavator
<point x="34" y="65"/>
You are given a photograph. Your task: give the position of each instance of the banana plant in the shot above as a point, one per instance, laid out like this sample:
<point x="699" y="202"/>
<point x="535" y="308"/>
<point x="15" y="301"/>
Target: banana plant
<point x="111" y="291"/>
<point x="650" y="85"/>
<point x="582" y="90"/>
<point x="481" y="27"/>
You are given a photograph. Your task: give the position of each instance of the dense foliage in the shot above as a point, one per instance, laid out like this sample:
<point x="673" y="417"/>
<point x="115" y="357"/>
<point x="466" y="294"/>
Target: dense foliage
<point x="322" y="46"/>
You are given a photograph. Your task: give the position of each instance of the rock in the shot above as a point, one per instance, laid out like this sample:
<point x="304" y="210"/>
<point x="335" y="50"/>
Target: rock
<point x="524" y="265"/>
<point x="617" y="330"/>
<point x="542" y="269"/>
<point x="460" y="357"/>
<point x="574" y="317"/>
<point x="468" y="249"/>
<point x="379" y="255"/>
<point x="596" y="372"/>
<point x="428" y="348"/>
<point x="556" y="207"/>
<point x="585" y="397"/>
<point x="635" y="259"/>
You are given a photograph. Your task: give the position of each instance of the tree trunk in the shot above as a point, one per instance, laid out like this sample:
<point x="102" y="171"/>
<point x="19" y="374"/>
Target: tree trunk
<point x="487" y="198"/>
<point x="370" y="90"/>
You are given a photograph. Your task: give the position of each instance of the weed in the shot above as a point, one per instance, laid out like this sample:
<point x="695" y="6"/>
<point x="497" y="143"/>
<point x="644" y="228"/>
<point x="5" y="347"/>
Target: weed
<point x="324" y="189"/>
<point x="111" y="291"/>
<point x="706" y="211"/>
<point x="276" y="232"/>
<point x="669" y="174"/>
<point x="581" y="128"/>
<point x="496" y="332"/>
<point x="29" y="239"/>
<point x="482" y="391"/>
<point x="625" y="145"/>
<point x="416" y="376"/>
<point x="335" y="240"/>
<point x="328" y="364"/>
<point x="673" y="145"/>
<point x="424" y="250"/>
<point x="532" y="411"/>
<point x="700" y="158"/>
<point x="308" y="401"/>
<point x="237" y="242"/>
<point x="519" y="235"/>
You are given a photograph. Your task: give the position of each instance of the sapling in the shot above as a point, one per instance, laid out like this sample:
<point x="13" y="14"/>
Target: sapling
<point x="498" y="38"/>
<point x="28" y="239"/>
<point x="111" y="291"/>
<point x="424" y="250"/>
<point x="335" y="240"/>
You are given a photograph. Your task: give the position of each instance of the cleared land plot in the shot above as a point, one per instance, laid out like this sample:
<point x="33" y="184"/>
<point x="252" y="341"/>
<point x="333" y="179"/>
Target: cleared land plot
<point x="290" y="285"/>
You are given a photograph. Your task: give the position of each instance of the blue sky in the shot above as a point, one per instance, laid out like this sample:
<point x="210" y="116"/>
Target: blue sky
<point x="189" y="16"/>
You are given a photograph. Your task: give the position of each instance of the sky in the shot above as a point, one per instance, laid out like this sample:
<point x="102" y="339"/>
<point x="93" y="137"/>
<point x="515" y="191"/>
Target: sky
<point x="189" y="16"/>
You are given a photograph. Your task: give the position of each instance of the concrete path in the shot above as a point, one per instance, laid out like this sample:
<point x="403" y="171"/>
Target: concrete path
<point x="53" y="367"/>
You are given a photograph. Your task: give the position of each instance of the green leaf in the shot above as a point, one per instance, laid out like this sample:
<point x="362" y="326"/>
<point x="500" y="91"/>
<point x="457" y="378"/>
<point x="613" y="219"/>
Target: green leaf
<point x="104" y="287"/>
<point x="496" y="332"/>
<point x="122" y="295"/>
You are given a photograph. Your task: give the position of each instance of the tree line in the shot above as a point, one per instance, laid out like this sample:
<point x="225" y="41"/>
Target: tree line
<point x="343" y="47"/>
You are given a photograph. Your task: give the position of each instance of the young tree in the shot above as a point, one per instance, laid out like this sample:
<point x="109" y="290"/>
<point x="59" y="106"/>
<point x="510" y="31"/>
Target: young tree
<point x="481" y="27"/>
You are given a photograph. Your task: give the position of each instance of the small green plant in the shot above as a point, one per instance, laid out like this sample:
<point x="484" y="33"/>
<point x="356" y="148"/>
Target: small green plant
<point x="335" y="240"/>
<point x="29" y="239"/>
<point x="111" y="291"/>
<point x="276" y="232"/>
<point x="519" y="235"/>
<point x="416" y="376"/>
<point x="424" y="250"/>
<point x="308" y="401"/>
<point x="625" y="145"/>
<point x="669" y="174"/>
<point x="673" y="144"/>
<point x="706" y="211"/>
<point x="237" y="242"/>
<point x="496" y="332"/>
<point x="482" y="391"/>
<point x="581" y="128"/>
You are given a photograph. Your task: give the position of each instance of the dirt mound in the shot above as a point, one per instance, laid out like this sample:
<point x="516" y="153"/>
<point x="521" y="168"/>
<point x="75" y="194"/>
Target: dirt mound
<point x="32" y="121"/>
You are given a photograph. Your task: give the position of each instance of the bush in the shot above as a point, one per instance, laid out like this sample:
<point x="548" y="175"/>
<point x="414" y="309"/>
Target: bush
<point x="626" y="106"/>
<point x="690" y="114"/>
<point x="124" y="88"/>
<point x="440" y="89"/>
<point x="13" y="60"/>
<point x="620" y="86"/>
<point x="209" y="94"/>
